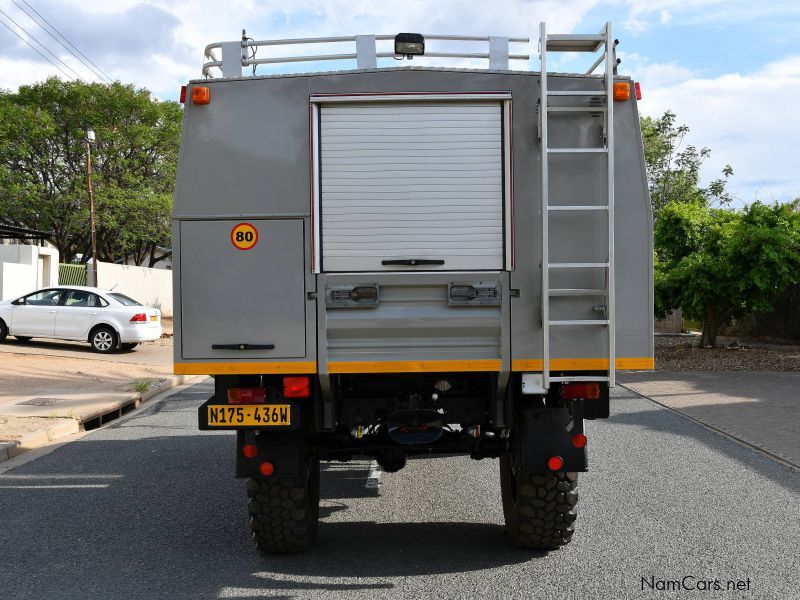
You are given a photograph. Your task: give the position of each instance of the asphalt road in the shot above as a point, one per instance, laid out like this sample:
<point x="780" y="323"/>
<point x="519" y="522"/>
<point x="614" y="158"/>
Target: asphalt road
<point x="147" y="508"/>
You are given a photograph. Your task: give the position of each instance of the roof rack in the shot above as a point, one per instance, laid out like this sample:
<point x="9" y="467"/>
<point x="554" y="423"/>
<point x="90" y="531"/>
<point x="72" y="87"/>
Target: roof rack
<point x="235" y="56"/>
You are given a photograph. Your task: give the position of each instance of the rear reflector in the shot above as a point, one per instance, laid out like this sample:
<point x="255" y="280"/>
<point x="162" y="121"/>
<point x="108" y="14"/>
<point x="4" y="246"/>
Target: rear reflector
<point x="622" y="91"/>
<point x="247" y="395"/>
<point x="555" y="463"/>
<point x="266" y="468"/>
<point x="183" y="94"/>
<point x="638" y="89"/>
<point x="250" y="450"/>
<point x="296" y="387"/>
<point x="201" y="94"/>
<point x="139" y="318"/>
<point x="580" y="391"/>
<point x="579" y="440"/>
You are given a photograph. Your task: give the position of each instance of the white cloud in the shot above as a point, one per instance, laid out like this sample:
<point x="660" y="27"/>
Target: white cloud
<point x="166" y="49"/>
<point x="748" y="120"/>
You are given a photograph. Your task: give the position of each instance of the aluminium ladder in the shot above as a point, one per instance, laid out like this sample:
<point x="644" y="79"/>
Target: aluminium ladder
<point x="578" y="43"/>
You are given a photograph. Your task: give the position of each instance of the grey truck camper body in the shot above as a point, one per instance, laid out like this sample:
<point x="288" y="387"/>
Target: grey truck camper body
<point x="393" y="295"/>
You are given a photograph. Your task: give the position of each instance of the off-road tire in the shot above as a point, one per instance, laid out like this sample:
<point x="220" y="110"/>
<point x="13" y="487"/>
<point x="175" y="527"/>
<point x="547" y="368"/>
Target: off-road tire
<point x="284" y="512"/>
<point x="3" y="331"/>
<point x="539" y="508"/>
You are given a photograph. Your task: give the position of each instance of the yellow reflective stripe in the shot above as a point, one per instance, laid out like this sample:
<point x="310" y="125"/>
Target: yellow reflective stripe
<point x="583" y="364"/>
<point x="413" y="366"/>
<point x="406" y="366"/>
<point x="244" y="368"/>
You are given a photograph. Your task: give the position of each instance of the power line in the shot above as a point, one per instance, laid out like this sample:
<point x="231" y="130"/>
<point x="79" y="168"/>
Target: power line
<point x="40" y="44"/>
<point x="109" y="79"/>
<point x="98" y="74"/>
<point x="4" y="24"/>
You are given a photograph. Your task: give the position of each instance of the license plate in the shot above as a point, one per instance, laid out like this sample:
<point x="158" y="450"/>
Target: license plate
<point x="154" y="317"/>
<point x="252" y="415"/>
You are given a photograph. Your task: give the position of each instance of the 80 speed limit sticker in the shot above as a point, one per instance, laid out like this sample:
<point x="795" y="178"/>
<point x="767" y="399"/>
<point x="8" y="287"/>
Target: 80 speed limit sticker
<point x="244" y="236"/>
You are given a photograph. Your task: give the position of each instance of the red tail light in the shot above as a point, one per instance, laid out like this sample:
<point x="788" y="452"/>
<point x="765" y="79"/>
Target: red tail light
<point x="638" y="90"/>
<point x="250" y="450"/>
<point x="555" y="463"/>
<point x="296" y="387"/>
<point x="579" y="440"/>
<point x="247" y="395"/>
<point x="139" y="318"/>
<point x="183" y="94"/>
<point x="266" y="468"/>
<point x="580" y="391"/>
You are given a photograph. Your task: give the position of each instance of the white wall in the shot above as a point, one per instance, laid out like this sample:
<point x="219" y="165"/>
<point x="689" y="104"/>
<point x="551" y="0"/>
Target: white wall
<point x="149" y="286"/>
<point x="25" y="268"/>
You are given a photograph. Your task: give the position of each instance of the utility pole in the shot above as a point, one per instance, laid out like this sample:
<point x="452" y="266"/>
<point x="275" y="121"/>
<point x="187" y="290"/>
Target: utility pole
<point x="89" y="141"/>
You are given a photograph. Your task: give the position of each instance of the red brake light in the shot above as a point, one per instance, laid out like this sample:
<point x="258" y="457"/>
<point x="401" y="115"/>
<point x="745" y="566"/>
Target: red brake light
<point x="296" y="387"/>
<point x="139" y="318"/>
<point x="247" y="395"/>
<point x="579" y="440"/>
<point x="183" y="94"/>
<point x="266" y="468"/>
<point x="638" y="90"/>
<point x="580" y="391"/>
<point x="555" y="463"/>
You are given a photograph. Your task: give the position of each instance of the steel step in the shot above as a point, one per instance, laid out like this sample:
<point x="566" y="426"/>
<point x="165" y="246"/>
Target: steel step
<point x="570" y="42"/>
<point x="577" y="292"/>
<point x="581" y="322"/>
<point x="577" y="150"/>
<point x="598" y="93"/>
<point x="567" y="379"/>
<point x="599" y="109"/>
<point x="578" y="207"/>
<point x="577" y="265"/>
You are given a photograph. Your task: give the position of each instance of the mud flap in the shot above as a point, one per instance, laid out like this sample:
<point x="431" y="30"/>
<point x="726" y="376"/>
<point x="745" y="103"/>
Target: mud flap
<point x="547" y="432"/>
<point x="286" y="450"/>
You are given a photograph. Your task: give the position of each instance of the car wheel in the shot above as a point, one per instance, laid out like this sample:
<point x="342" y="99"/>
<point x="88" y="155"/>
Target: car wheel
<point x="23" y="338"/>
<point x="103" y="340"/>
<point x="3" y="331"/>
<point x="129" y="346"/>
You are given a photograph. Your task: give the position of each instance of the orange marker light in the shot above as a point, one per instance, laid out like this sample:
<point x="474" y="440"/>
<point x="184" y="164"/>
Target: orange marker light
<point x="201" y="94"/>
<point x="622" y="91"/>
<point x="555" y="463"/>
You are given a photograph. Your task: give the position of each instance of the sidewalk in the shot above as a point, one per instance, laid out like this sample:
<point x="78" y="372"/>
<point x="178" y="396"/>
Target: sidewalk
<point x="51" y="389"/>
<point x="761" y="408"/>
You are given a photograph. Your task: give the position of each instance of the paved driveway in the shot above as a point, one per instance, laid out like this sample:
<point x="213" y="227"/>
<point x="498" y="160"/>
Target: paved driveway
<point x="761" y="408"/>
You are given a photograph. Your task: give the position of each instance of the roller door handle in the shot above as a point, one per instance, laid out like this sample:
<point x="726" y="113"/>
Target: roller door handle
<point x="413" y="262"/>
<point x="242" y="346"/>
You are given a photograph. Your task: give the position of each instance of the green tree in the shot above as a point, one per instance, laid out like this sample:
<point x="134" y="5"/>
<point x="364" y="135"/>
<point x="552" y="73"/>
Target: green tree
<point x="718" y="264"/>
<point x="43" y="166"/>
<point x="673" y="171"/>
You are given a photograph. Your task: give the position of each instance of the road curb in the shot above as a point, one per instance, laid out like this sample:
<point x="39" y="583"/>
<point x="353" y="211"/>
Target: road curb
<point x="42" y="437"/>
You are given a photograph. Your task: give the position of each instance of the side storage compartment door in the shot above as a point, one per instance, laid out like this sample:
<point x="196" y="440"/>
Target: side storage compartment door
<point x="232" y="297"/>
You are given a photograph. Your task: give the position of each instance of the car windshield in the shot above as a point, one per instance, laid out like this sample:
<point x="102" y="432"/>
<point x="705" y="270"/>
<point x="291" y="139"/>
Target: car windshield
<point x="123" y="299"/>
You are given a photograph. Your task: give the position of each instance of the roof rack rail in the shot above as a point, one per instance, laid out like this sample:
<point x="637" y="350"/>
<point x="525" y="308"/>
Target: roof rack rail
<point x="233" y="57"/>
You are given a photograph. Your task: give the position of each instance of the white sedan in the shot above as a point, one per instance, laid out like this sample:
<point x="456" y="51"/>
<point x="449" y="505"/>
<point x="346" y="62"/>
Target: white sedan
<point x="107" y="320"/>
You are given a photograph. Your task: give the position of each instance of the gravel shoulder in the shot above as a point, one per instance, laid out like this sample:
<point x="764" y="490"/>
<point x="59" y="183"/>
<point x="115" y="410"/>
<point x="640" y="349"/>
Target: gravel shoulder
<point x="681" y="353"/>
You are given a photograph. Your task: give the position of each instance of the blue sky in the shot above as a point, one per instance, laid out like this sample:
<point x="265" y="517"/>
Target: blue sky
<point x="730" y="69"/>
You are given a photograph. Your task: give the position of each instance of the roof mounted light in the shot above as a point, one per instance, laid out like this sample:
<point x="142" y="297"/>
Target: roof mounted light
<point x="409" y="44"/>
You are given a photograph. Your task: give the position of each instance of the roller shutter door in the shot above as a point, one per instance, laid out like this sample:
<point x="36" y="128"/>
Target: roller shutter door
<point x="411" y="181"/>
